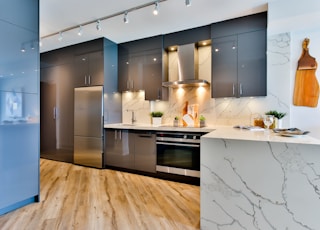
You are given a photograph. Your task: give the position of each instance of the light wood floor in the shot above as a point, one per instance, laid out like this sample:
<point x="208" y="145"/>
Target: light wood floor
<point x="76" y="197"/>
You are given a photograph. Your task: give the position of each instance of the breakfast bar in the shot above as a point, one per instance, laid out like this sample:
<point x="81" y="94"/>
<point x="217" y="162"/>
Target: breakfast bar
<point x="259" y="180"/>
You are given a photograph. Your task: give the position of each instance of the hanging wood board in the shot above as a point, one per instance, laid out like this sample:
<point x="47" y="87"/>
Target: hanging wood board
<point x="306" y="88"/>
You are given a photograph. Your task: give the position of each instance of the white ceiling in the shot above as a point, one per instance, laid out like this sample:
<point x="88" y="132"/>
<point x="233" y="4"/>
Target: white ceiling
<point x="57" y="15"/>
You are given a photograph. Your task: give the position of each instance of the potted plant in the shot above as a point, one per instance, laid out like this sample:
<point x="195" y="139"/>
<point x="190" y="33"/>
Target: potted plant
<point x="277" y="123"/>
<point x="156" y="118"/>
<point x="202" y="121"/>
<point x="176" y="121"/>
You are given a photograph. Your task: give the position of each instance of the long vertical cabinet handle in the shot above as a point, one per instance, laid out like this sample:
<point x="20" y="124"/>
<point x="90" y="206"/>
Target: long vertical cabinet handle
<point x="128" y="84"/>
<point x="115" y="134"/>
<point x="132" y="85"/>
<point x="89" y="80"/>
<point x="54" y="113"/>
<point x="85" y="80"/>
<point x="240" y="89"/>
<point x="233" y="89"/>
<point x="120" y="135"/>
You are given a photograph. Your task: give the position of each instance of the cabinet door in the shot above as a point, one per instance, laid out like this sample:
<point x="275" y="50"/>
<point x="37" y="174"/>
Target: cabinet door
<point x="119" y="148"/>
<point x="89" y="69"/>
<point x="123" y="71"/>
<point x="145" y="152"/>
<point x="224" y="67"/>
<point x="252" y="64"/>
<point x="81" y="66"/>
<point x="136" y="68"/>
<point x="96" y="70"/>
<point x="152" y="75"/>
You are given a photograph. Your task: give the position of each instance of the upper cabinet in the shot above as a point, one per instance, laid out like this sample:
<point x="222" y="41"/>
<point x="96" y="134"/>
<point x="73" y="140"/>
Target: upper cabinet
<point x="239" y="57"/>
<point x="89" y="69"/>
<point x="141" y="67"/>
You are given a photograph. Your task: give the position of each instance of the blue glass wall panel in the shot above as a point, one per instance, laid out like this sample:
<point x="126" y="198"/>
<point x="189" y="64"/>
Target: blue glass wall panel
<point x="19" y="103"/>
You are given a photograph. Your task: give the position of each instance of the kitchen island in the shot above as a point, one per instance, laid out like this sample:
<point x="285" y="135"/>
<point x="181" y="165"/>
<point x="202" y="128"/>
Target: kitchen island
<point x="259" y="180"/>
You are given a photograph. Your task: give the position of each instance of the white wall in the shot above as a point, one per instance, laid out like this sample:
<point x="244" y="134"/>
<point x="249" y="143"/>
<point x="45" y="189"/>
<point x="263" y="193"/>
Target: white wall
<point x="301" y="20"/>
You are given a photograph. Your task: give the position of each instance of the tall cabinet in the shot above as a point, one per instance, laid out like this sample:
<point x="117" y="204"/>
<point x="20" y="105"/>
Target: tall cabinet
<point x="19" y="110"/>
<point x="239" y="57"/>
<point x="87" y="64"/>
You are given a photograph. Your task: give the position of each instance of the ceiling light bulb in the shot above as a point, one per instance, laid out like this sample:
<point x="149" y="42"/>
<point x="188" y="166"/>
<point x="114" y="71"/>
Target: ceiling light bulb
<point x="80" y="31"/>
<point x="156" y="8"/>
<point x="188" y="2"/>
<point x="126" y="19"/>
<point x="60" y="37"/>
<point x="98" y="26"/>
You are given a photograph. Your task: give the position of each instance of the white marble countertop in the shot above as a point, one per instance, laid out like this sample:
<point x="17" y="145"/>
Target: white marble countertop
<point x="164" y="127"/>
<point x="228" y="132"/>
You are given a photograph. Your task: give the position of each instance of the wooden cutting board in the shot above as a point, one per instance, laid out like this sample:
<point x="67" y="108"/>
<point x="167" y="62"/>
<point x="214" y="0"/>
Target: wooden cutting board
<point x="306" y="88"/>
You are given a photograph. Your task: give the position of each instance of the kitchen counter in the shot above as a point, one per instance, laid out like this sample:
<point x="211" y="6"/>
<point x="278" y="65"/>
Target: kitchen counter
<point x="253" y="180"/>
<point x="157" y="128"/>
<point x="230" y="133"/>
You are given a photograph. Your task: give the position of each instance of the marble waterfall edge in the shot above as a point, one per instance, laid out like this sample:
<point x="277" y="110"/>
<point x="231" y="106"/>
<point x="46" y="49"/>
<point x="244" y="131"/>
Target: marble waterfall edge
<point x="259" y="185"/>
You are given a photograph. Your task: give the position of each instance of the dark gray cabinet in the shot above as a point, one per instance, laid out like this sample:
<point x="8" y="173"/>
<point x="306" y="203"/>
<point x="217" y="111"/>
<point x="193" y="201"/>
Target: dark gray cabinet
<point x="141" y="67"/>
<point x="239" y="57"/>
<point x="89" y="63"/>
<point x="145" y="151"/>
<point x="119" y="148"/>
<point x="187" y="36"/>
<point x="89" y="69"/>
<point x="130" y="149"/>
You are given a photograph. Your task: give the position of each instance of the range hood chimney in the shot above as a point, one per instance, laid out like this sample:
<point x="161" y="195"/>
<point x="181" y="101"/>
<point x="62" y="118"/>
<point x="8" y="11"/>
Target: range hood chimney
<point x="187" y="68"/>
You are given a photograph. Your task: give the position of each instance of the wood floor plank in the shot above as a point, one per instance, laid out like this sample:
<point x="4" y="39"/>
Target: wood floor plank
<point x="77" y="197"/>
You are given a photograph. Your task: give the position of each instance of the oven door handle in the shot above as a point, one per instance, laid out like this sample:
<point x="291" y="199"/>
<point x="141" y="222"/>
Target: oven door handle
<point x="177" y="144"/>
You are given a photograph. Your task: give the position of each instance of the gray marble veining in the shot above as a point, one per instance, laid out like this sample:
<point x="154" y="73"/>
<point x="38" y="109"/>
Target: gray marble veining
<point x="259" y="185"/>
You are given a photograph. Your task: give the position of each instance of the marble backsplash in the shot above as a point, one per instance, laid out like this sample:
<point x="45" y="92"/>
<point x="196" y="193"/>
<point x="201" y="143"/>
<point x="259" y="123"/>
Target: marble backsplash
<point x="224" y="111"/>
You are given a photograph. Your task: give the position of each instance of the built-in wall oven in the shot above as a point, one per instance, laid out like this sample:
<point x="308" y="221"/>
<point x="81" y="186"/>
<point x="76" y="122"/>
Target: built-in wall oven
<point x="178" y="153"/>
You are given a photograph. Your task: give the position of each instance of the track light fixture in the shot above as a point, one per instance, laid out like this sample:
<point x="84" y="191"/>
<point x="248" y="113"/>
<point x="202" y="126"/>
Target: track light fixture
<point x="125" y="18"/>
<point x="80" y="31"/>
<point x="23" y="48"/>
<point x="188" y="3"/>
<point x="60" y="37"/>
<point x="98" y="25"/>
<point x="156" y="8"/>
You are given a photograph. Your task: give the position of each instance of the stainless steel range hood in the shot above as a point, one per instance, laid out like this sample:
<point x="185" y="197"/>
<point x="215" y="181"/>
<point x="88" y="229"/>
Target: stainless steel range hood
<point x="187" y="67"/>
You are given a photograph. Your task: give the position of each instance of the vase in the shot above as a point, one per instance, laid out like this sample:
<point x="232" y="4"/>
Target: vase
<point x="156" y="121"/>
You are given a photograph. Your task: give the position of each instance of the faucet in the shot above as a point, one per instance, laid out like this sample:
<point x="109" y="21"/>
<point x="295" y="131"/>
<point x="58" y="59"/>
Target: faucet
<point x="133" y="119"/>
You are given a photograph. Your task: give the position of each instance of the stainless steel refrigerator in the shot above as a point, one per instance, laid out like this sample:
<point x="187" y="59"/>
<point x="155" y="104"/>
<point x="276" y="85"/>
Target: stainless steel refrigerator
<point x="88" y="126"/>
